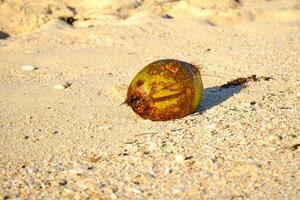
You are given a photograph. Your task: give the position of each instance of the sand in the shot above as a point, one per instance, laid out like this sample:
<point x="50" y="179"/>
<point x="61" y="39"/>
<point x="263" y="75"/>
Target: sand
<point x="64" y="70"/>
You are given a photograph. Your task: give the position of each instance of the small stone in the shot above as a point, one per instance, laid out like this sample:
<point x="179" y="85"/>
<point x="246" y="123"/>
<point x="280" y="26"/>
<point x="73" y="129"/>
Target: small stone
<point x="16" y="182"/>
<point x="168" y="171"/>
<point x="135" y="190"/>
<point x="150" y="173"/>
<point x="113" y="196"/>
<point x="176" y="191"/>
<point x="92" y="159"/>
<point x="28" y="67"/>
<point x="88" y="183"/>
<point x="62" y="86"/>
<point x="59" y="87"/>
<point x="152" y="146"/>
<point x="298" y="94"/>
<point x="79" y="169"/>
<point x="63" y="182"/>
<point x="119" y="91"/>
<point x="179" y="158"/>
<point x="68" y="191"/>
<point x="79" y="153"/>
<point x="211" y="126"/>
<point x="31" y="170"/>
<point x="273" y="138"/>
<point x="140" y="153"/>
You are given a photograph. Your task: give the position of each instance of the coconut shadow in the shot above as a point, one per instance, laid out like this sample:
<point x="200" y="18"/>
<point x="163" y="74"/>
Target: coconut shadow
<point x="216" y="95"/>
<point x="3" y="35"/>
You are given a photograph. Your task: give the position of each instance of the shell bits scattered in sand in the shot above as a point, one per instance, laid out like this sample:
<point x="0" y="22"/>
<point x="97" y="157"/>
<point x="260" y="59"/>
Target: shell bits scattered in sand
<point x="62" y="86"/>
<point x="73" y="141"/>
<point x="165" y="90"/>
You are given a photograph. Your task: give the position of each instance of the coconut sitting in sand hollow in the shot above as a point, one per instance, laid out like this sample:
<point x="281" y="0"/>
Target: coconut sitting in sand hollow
<point x="165" y="89"/>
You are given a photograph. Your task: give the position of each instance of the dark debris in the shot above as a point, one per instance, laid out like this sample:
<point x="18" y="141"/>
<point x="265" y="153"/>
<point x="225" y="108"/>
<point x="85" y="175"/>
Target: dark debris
<point x="244" y="80"/>
<point x="295" y="147"/>
<point x="69" y="20"/>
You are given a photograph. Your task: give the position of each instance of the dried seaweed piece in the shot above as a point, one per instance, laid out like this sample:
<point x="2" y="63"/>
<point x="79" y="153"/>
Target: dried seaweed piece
<point x="241" y="81"/>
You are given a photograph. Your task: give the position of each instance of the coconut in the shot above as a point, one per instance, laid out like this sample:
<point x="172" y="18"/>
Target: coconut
<point x="165" y="90"/>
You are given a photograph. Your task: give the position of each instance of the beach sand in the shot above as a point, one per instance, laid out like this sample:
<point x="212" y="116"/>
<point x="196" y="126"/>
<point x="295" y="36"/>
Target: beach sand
<point x="64" y="71"/>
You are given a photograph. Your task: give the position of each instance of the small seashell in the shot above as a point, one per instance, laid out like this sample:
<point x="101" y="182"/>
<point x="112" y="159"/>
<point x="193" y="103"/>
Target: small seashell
<point x="211" y="126"/>
<point x="62" y="86"/>
<point x="92" y="159"/>
<point x="113" y="196"/>
<point x="176" y="191"/>
<point x="28" y="67"/>
<point x="179" y="158"/>
<point x="135" y="190"/>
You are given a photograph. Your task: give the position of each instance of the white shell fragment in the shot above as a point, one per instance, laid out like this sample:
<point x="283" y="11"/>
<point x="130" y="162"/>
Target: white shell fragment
<point x="62" y="86"/>
<point x="28" y="67"/>
<point x="176" y="191"/>
<point x="179" y="158"/>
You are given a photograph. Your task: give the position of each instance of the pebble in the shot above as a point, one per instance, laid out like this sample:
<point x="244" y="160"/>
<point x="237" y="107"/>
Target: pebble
<point x="78" y="169"/>
<point x="31" y="170"/>
<point x="273" y="138"/>
<point x="28" y="67"/>
<point x="152" y="146"/>
<point x="135" y="190"/>
<point x="62" y="86"/>
<point x="113" y="196"/>
<point x="88" y="183"/>
<point x="92" y="159"/>
<point x="68" y="191"/>
<point x="119" y="91"/>
<point x="298" y="94"/>
<point x="179" y="158"/>
<point x="150" y="173"/>
<point x="176" y="191"/>
<point x="139" y="154"/>
<point x="16" y="182"/>
<point x="211" y="126"/>
<point x="168" y="171"/>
